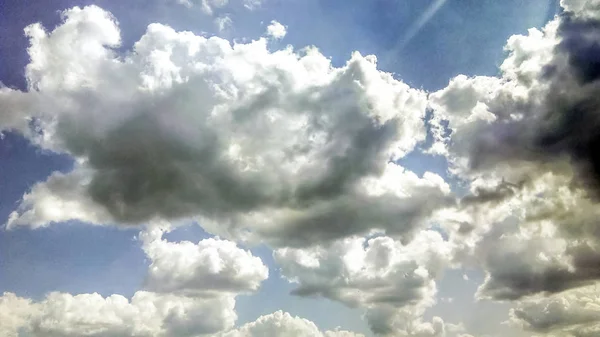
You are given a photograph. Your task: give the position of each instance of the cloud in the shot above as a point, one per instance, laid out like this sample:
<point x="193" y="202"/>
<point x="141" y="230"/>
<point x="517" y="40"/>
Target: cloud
<point x="276" y="30"/>
<point x="524" y="144"/>
<point x="223" y="22"/>
<point x="392" y="282"/>
<point x="210" y="266"/>
<point x="146" y="314"/>
<point x="210" y="6"/>
<point x="538" y="115"/>
<point x="190" y="291"/>
<point x="283" y="324"/>
<point x="572" y="313"/>
<point x="184" y="125"/>
<point x="207" y="6"/>
<point x="15" y="107"/>
<point x="62" y="197"/>
<point x="15" y="312"/>
<point x="585" y="8"/>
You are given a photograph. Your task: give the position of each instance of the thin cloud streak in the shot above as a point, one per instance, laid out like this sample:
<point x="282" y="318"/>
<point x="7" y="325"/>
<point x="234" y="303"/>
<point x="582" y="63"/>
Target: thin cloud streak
<point x="416" y="27"/>
<point x="420" y="23"/>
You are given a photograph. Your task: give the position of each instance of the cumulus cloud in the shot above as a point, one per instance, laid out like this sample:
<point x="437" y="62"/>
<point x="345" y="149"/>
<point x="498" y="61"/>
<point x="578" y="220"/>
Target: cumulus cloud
<point x="572" y="313"/>
<point x="146" y="314"/>
<point x="281" y="146"/>
<point x="16" y="108"/>
<point x="60" y="198"/>
<point x="235" y="134"/>
<point x="15" y="313"/>
<point x="538" y="115"/>
<point x="190" y="291"/>
<point x="283" y="324"/>
<point x="208" y="267"/>
<point x="585" y="8"/>
<point x="393" y="282"/>
<point x="525" y="144"/>
<point x="276" y="30"/>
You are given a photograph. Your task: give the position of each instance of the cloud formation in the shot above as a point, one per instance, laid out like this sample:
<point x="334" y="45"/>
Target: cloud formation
<point x="283" y="324"/>
<point x="210" y="6"/>
<point x="525" y="143"/>
<point x="282" y="147"/>
<point x="572" y="313"/>
<point x="235" y="134"/>
<point x="190" y="291"/>
<point x="276" y="30"/>
<point x="210" y="266"/>
<point x="392" y="282"/>
<point x="146" y="314"/>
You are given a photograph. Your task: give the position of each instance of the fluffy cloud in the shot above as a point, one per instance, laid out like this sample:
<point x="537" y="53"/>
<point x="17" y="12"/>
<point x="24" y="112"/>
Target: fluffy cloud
<point x="15" y="313"/>
<point x="237" y="135"/>
<point x="210" y="266"/>
<point x="192" y="289"/>
<point x="283" y="324"/>
<point x="60" y="198"/>
<point x="585" y="8"/>
<point x="393" y="282"/>
<point x="525" y="142"/>
<point x="276" y="30"/>
<point x="540" y="114"/>
<point x="146" y="314"/>
<point x="572" y="313"/>
<point x="15" y="107"/>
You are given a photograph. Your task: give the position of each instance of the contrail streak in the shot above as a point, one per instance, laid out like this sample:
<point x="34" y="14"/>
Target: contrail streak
<point x="421" y="22"/>
<point x="416" y="27"/>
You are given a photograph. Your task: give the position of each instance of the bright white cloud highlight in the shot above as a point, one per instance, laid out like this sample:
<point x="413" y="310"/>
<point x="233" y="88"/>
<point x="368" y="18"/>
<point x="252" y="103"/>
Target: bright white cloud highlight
<point x="393" y="282"/>
<point x="283" y="324"/>
<point x="276" y="30"/>
<point x="210" y="266"/>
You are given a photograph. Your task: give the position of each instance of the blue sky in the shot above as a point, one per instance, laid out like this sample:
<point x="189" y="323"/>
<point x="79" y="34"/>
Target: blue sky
<point x="460" y="37"/>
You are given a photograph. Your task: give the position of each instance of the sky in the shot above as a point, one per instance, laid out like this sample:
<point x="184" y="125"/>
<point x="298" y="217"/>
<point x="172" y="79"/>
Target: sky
<point x="245" y="168"/>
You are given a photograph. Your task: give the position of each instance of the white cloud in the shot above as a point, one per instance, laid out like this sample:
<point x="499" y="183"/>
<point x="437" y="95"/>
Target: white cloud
<point x="223" y="22"/>
<point x="60" y="198"/>
<point x="282" y="146"/>
<point x="207" y="6"/>
<point x="15" y="313"/>
<point x="283" y="324"/>
<point x="524" y="144"/>
<point x="192" y="293"/>
<point x="146" y="314"/>
<point x="394" y="283"/>
<point x="276" y="30"/>
<point x="210" y="6"/>
<point x="586" y="8"/>
<point x="16" y="108"/>
<point x="234" y="134"/>
<point x="572" y="313"/>
<point x="210" y="266"/>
